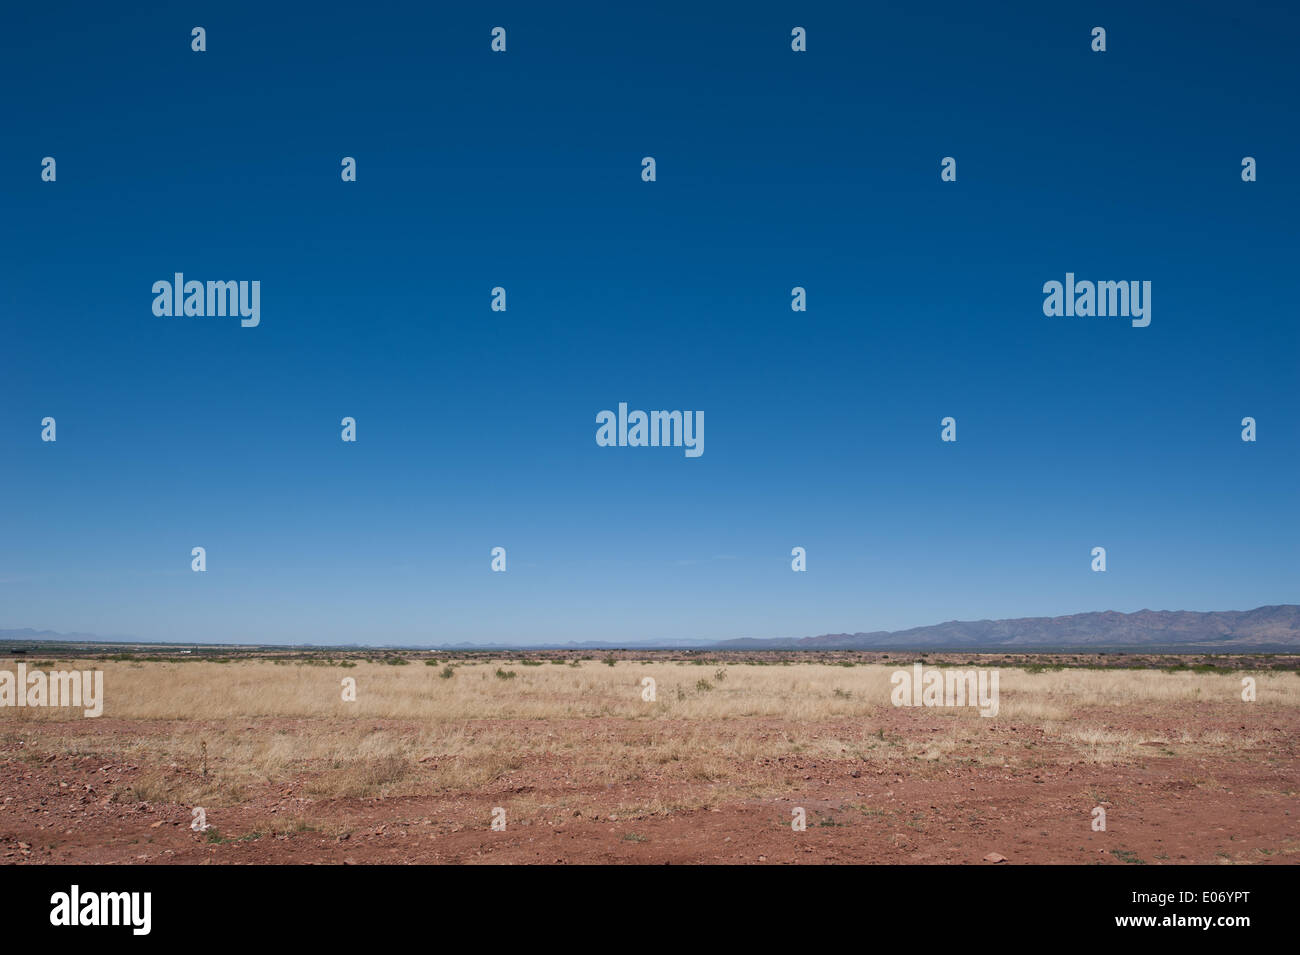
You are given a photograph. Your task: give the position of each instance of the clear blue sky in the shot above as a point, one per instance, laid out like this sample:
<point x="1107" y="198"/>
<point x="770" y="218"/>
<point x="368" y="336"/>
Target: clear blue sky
<point x="775" y="169"/>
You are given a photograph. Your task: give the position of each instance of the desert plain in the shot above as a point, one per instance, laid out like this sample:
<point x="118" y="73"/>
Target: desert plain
<point x="555" y="757"/>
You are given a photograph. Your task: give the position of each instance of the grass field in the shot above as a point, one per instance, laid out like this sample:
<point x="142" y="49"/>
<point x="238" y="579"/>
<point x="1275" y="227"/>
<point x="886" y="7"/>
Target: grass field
<point x="279" y="760"/>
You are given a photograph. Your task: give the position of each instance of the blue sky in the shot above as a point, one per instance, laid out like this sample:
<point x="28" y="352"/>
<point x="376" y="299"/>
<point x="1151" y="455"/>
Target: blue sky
<point x="477" y="429"/>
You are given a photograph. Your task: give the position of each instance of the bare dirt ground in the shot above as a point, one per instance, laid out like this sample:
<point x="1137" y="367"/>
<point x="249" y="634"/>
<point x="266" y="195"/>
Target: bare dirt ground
<point x="588" y="772"/>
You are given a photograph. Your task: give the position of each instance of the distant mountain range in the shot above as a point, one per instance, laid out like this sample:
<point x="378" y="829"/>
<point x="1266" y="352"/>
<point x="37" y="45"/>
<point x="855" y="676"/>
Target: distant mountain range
<point x="1264" y="629"/>
<point x="41" y="636"/>
<point x="1221" y="631"/>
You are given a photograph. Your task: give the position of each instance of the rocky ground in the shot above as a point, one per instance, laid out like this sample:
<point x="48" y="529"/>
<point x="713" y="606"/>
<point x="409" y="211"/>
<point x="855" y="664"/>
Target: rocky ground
<point x="1012" y="795"/>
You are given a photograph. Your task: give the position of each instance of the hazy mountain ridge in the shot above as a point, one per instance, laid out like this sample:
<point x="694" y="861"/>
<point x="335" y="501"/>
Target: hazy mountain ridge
<point x="1221" y="630"/>
<point x="27" y="633"/>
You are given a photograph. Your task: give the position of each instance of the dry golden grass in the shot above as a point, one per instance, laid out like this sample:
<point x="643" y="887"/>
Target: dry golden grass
<point x="411" y="731"/>
<point x="258" y="689"/>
